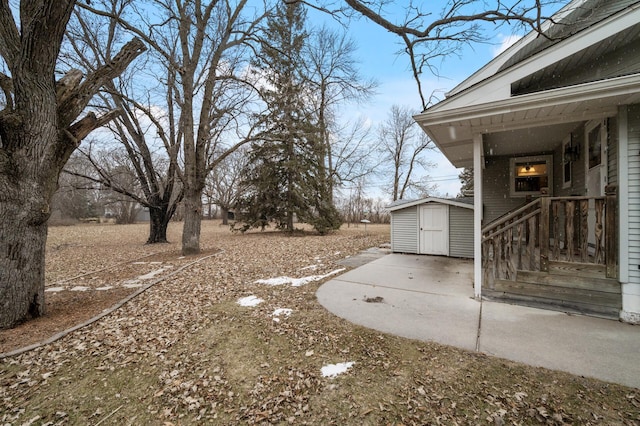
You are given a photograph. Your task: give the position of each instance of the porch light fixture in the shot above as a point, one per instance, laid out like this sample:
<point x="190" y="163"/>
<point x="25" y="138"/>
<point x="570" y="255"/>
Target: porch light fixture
<point x="527" y="170"/>
<point x="531" y="169"/>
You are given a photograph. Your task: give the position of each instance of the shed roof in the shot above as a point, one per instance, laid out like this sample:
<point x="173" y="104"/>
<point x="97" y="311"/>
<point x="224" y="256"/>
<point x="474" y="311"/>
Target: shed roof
<point x="464" y="202"/>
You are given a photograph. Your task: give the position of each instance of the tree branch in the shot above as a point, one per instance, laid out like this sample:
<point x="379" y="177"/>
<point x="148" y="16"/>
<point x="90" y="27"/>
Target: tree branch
<point x="76" y="99"/>
<point x="81" y="129"/>
<point x="6" y="84"/>
<point x="9" y="35"/>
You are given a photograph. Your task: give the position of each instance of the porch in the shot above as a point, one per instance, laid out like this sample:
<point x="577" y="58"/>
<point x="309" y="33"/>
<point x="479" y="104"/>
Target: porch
<point x="559" y="253"/>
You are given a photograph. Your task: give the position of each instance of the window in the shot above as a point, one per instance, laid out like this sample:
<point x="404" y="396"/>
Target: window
<point x="530" y="174"/>
<point x="595" y="146"/>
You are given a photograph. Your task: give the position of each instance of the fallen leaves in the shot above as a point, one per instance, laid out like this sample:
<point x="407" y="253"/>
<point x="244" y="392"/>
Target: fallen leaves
<point x="185" y="352"/>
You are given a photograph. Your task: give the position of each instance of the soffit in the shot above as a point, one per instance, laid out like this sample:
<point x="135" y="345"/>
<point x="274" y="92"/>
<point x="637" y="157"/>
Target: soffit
<point x="528" y="123"/>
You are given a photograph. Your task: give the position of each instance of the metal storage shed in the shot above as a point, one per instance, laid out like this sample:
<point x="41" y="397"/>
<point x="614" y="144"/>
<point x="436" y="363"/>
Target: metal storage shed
<point x="433" y="226"/>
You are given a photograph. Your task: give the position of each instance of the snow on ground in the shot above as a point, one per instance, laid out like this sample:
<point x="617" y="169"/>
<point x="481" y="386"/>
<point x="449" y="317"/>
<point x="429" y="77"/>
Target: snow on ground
<point x="332" y="370"/>
<point x="105" y="288"/>
<point x="152" y="274"/>
<point x="54" y="289"/>
<point x="286" y="312"/>
<point x="132" y="284"/>
<point x="312" y="267"/>
<point x="80" y="288"/>
<point x="250" y="301"/>
<point x="297" y="282"/>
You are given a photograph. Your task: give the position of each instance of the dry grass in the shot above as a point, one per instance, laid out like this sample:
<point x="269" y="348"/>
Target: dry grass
<point x="184" y="352"/>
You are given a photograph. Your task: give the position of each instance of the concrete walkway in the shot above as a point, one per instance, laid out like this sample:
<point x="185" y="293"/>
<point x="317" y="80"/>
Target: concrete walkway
<point x="430" y="298"/>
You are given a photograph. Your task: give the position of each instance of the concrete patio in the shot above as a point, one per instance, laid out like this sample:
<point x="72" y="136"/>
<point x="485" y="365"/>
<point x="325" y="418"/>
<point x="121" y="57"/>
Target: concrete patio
<point x="430" y="298"/>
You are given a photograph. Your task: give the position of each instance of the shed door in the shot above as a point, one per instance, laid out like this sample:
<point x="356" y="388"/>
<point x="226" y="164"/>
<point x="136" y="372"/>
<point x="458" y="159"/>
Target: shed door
<point x="434" y="229"/>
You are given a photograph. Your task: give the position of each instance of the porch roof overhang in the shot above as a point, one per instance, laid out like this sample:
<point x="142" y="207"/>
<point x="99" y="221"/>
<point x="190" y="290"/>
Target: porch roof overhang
<point x="532" y="122"/>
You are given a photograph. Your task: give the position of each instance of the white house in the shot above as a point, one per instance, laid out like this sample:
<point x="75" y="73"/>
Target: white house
<point x="551" y="128"/>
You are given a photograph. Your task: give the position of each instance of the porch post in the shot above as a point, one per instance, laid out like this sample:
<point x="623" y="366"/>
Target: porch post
<point x="611" y="231"/>
<point x="543" y="240"/>
<point x="477" y="215"/>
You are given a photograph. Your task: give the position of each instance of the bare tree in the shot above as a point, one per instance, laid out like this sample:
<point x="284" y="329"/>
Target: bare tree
<point x="201" y="45"/>
<point x="76" y="198"/>
<point x="39" y="130"/>
<point x="352" y="158"/>
<point x="90" y="40"/>
<point x="223" y="185"/>
<point x="334" y="80"/>
<point x="404" y="147"/>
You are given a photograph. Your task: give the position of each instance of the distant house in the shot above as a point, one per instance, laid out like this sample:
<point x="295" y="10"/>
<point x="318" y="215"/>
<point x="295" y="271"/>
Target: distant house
<point x="433" y="226"/>
<point x="551" y="128"/>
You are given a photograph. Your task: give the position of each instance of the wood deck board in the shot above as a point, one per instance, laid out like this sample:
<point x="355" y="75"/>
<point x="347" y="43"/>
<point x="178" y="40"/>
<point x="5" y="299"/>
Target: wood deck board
<point x="570" y="281"/>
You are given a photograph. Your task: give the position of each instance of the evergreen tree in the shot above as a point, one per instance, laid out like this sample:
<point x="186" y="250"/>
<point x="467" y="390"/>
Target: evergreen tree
<point x="466" y="178"/>
<point x="284" y="179"/>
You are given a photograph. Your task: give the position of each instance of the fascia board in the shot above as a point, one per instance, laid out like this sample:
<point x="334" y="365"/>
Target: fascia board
<point x="430" y="200"/>
<point x="579" y="93"/>
<point x="499" y="86"/>
<point x="493" y="66"/>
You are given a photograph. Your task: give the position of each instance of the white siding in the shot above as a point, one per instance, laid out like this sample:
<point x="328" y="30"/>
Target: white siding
<point x="633" y="148"/>
<point x="460" y="232"/>
<point x="612" y="151"/>
<point x="404" y="230"/>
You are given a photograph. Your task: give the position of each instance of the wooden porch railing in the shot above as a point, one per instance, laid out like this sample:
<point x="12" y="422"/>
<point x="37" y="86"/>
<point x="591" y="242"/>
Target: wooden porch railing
<point x="570" y="229"/>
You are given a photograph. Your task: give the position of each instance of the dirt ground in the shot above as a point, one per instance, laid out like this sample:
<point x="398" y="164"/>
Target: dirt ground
<point x="184" y="351"/>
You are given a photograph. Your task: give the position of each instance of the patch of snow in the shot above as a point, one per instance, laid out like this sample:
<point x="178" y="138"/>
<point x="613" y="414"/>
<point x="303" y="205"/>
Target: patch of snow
<point x="310" y="267"/>
<point x="306" y="280"/>
<point x="80" y="288"/>
<point x="250" y="301"/>
<point x="132" y="284"/>
<point x="332" y="370"/>
<point x="297" y="282"/>
<point x="151" y="274"/>
<point x="54" y="289"/>
<point x="155" y="263"/>
<point x="286" y="312"/>
<point x="107" y="287"/>
<point x="138" y="263"/>
<point x="275" y="281"/>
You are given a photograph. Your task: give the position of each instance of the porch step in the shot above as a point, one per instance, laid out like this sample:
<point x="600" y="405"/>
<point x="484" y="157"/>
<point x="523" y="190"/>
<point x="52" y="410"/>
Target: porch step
<point x="576" y="282"/>
<point x="578" y="269"/>
<point x="590" y="295"/>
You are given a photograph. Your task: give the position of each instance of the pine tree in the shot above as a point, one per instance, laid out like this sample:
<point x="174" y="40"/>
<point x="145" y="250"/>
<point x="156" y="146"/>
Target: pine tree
<point x="466" y="179"/>
<point x="284" y="180"/>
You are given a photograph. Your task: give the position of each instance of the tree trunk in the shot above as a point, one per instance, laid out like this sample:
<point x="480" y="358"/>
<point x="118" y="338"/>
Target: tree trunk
<point x="22" y="250"/>
<point x="158" y="223"/>
<point x="192" y="221"/>
<point x="225" y="215"/>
